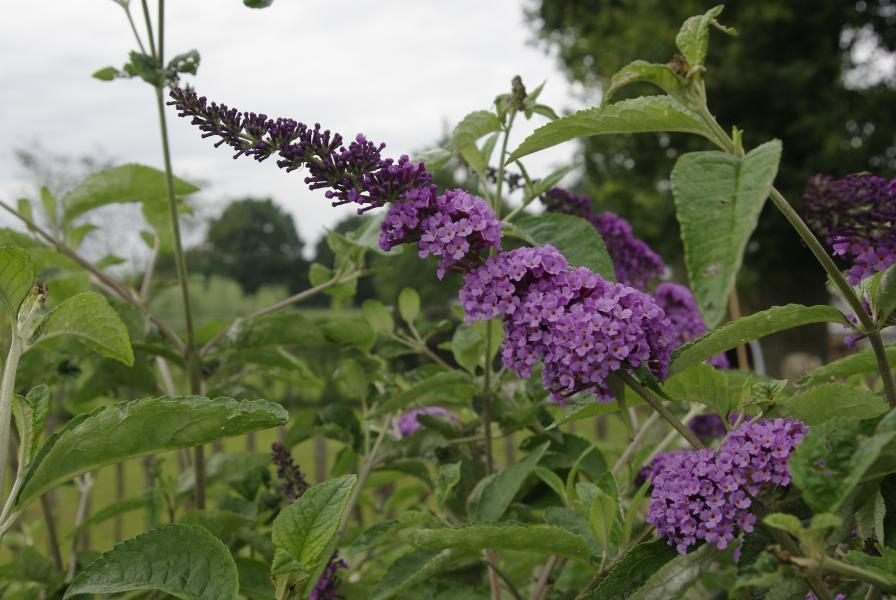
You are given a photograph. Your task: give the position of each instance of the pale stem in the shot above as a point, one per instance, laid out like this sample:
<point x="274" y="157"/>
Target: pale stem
<point x="7" y="387"/>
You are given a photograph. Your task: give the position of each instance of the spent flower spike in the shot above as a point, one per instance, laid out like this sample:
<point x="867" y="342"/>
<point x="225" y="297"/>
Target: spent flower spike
<point x="294" y="483"/>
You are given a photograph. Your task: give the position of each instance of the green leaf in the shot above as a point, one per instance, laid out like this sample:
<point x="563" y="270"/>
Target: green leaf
<point x="226" y="467"/>
<point x="48" y="200"/>
<point x="434" y="158"/>
<point x="832" y="459"/>
<point x="378" y="316"/>
<point x="757" y="325"/>
<point x="448" y="477"/>
<point x="345" y="331"/>
<point x="586" y="407"/>
<point x="553" y="481"/>
<point x="833" y="401"/>
<point x="863" y="361"/>
<point x="499" y="492"/>
<point x="788" y="523"/>
<point x="677" y="575"/>
<point x="16" y="278"/>
<point x="601" y="517"/>
<point x="541" y="539"/>
<point x="31" y="417"/>
<point x="106" y="74"/>
<point x="633" y="571"/>
<point x="30" y="565"/>
<point x="574" y="237"/>
<point x="703" y="384"/>
<point x="409" y="305"/>
<point x="454" y="383"/>
<point x="413" y="568"/>
<point x="718" y="198"/>
<point x="184" y="561"/>
<point x="469" y="343"/>
<point x="886" y="294"/>
<point x="307" y="528"/>
<point x="883" y="566"/>
<point x="642" y="71"/>
<point x="639" y="115"/>
<point x="127" y="184"/>
<point x="474" y="126"/>
<point x="89" y="317"/>
<point x="258" y="3"/>
<point x="693" y="38"/>
<point x="255" y="582"/>
<point x="129" y="429"/>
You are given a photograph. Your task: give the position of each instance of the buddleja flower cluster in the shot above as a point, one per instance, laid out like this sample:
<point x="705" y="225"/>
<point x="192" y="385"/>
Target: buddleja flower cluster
<point x="680" y="307"/>
<point x="580" y="326"/>
<point x="454" y="226"/>
<point x="706" y="495"/>
<point x="857" y="216"/>
<point x="635" y="263"/>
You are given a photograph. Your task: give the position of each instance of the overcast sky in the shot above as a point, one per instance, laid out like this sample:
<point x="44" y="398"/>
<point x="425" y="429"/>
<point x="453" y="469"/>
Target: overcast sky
<point x="396" y="70"/>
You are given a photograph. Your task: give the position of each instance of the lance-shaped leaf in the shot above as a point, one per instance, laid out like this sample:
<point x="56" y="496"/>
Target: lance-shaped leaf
<point x="832" y="401"/>
<point x="661" y="76"/>
<point x="89" y="317"/>
<point x="862" y="361"/>
<point x="31" y="417"/>
<point x="416" y="567"/>
<point x="693" y="38"/>
<point x="574" y="237"/>
<point x="647" y="114"/>
<point x="541" y="539"/>
<point x="307" y="528"/>
<point x="129" y="429"/>
<point x="499" y="492"/>
<point x="718" y="198"/>
<point x="755" y="326"/>
<point x="182" y="560"/>
<point x="832" y="459"/>
<point x="474" y="126"/>
<point x="16" y="278"/>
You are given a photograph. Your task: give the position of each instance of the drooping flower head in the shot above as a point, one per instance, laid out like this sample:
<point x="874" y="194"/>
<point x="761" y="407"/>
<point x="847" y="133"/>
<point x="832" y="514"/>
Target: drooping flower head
<point x="705" y="495"/>
<point x="408" y="423"/>
<point x="455" y="226"/>
<point x="857" y="217"/>
<point x="680" y="307"/>
<point x="635" y="263"/>
<point x="580" y="326"/>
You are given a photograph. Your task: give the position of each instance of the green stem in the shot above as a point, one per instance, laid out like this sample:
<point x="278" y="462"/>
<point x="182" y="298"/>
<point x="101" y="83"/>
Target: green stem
<point x="883" y="365"/>
<point x="659" y="407"/>
<point x="487" y="400"/>
<point x="127" y="11"/>
<point x="7" y="386"/>
<point x="191" y="356"/>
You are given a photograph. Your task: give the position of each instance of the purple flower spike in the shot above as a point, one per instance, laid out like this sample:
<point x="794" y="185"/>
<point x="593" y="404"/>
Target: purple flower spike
<point x="706" y="495"/>
<point x="680" y="307"/>
<point x="327" y="587"/>
<point x="857" y="217"/>
<point x="580" y="326"/>
<point x="635" y="263"/>
<point x="408" y="423"/>
<point x="356" y="173"/>
<point x="456" y="226"/>
<point x="294" y="483"/>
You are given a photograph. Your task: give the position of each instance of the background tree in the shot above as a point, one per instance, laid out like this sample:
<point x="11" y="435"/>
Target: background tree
<point x="255" y="243"/>
<point x="825" y="93"/>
